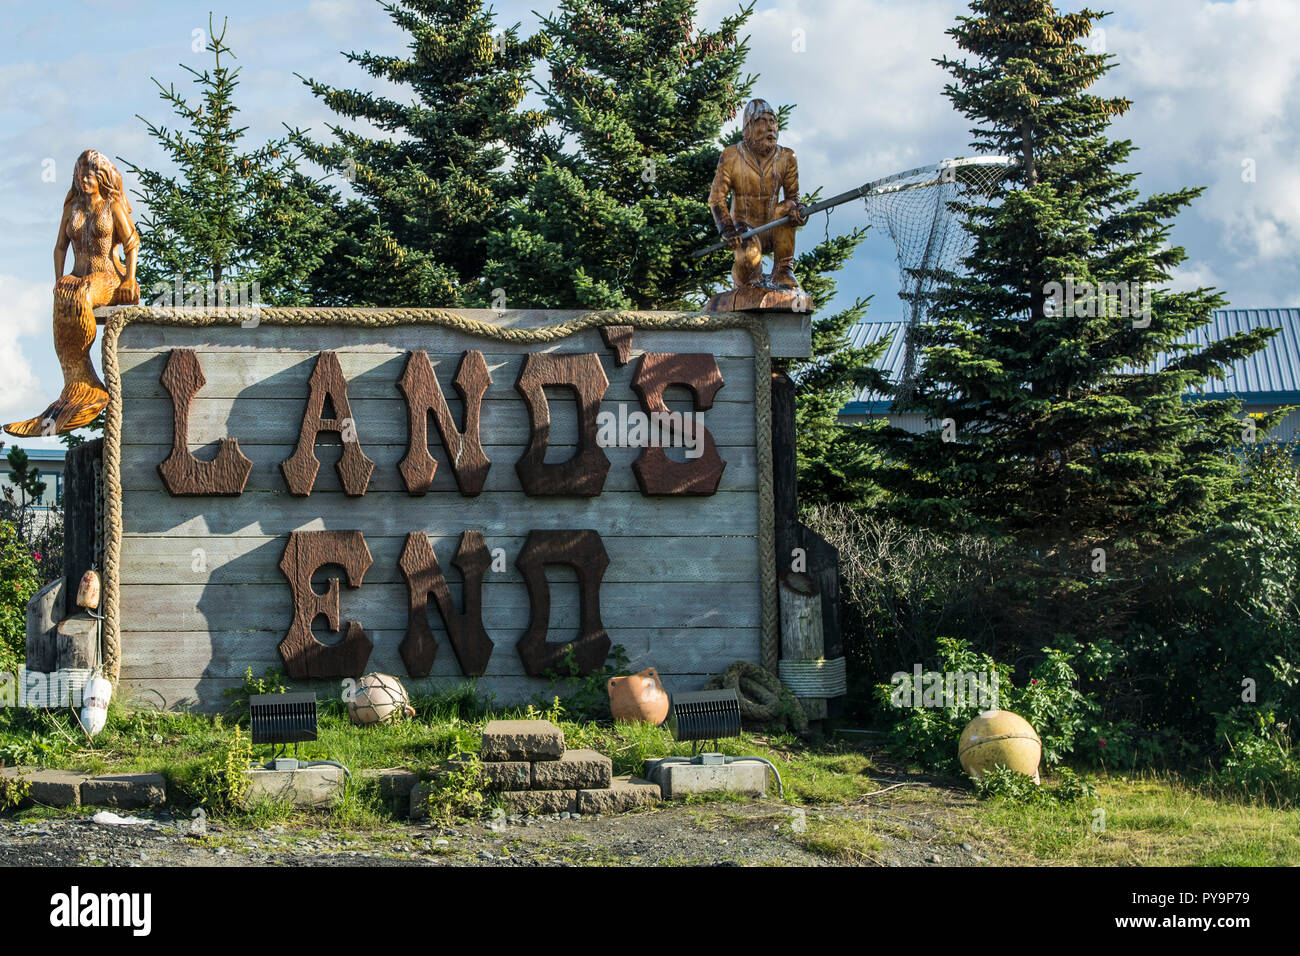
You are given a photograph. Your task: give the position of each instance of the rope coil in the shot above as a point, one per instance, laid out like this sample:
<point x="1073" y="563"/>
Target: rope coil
<point x="444" y="318"/>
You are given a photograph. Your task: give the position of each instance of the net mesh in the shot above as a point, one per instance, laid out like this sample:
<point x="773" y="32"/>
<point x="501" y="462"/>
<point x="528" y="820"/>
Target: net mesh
<point x="921" y="211"/>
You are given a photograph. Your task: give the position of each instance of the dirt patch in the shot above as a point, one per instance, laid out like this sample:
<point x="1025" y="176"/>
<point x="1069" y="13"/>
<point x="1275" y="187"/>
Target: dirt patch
<point x="908" y="830"/>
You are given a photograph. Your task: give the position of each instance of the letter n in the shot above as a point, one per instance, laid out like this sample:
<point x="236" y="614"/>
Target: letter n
<point x="353" y="466"/>
<point x="585" y="553"/>
<point x="182" y="473"/>
<point x="582" y="475"/>
<point x="423" y="397"/>
<point x="656" y="473"/>
<point x="307" y="552"/>
<point x="469" y="640"/>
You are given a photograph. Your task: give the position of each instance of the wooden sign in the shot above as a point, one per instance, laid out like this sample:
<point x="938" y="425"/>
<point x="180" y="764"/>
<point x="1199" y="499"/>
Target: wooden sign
<point x="434" y="494"/>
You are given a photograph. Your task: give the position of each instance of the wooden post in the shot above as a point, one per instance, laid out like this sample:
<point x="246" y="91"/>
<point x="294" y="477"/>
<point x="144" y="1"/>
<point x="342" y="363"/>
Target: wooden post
<point x="821" y="557"/>
<point x="44" y="612"/>
<point x="80" y="529"/>
<point x="77" y="643"/>
<point x="784" y="475"/>
<point x="801" y="629"/>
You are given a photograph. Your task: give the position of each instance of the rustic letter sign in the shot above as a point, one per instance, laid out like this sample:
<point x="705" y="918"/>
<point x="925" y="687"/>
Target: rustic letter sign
<point x="583" y="475"/>
<point x="423" y="396"/>
<point x="210" y="564"/>
<point x="304" y="555"/>
<point x="353" y="467"/>
<point x="423" y="576"/>
<point x="656" y="473"/>
<point x="182" y="473"/>
<point x="584" y="552"/>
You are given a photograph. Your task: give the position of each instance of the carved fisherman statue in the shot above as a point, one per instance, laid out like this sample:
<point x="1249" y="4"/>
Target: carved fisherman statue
<point x="763" y="180"/>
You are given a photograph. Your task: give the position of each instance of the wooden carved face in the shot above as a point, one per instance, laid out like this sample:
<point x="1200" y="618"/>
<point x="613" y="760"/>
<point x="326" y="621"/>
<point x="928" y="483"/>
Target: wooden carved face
<point x="760" y="127"/>
<point x="95" y="177"/>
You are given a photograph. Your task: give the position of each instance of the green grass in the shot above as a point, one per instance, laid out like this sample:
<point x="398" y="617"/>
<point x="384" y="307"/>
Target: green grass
<point x="842" y="839"/>
<point x="1149" y="819"/>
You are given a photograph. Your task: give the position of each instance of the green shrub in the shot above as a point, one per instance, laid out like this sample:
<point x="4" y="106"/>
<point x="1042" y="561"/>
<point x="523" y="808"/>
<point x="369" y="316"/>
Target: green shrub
<point x="1261" y="760"/>
<point x="19" y="581"/>
<point x="1069" y="787"/>
<point x="1050" y="700"/>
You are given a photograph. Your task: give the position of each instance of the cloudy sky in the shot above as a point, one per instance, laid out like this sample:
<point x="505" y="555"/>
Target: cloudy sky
<point x="1216" y="87"/>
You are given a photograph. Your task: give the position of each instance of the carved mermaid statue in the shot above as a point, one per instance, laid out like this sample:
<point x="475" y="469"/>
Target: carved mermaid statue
<point x="96" y="220"/>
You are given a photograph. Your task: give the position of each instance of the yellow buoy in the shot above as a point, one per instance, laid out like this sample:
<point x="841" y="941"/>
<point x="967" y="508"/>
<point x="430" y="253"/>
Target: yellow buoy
<point x="999" y="737"/>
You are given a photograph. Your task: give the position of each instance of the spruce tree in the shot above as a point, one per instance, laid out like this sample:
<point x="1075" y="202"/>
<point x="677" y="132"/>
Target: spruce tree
<point x="617" y="202"/>
<point x="229" y="217"/>
<point x="835" y="462"/>
<point x="436" y="184"/>
<point x="618" y="188"/>
<point x="24" y="490"/>
<point x="1053" y="425"/>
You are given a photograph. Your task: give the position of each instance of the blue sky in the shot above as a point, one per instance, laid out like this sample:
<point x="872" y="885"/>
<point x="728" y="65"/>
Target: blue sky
<point x="1215" y="87"/>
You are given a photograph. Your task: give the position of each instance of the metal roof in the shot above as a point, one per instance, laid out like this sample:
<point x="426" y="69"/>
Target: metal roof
<point x="1270" y="376"/>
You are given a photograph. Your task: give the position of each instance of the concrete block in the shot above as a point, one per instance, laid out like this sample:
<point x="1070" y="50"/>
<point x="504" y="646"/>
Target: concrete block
<point x="129" y="790"/>
<point x="308" y="788"/>
<point x="676" y="780"/>
<point x="394" y="786"/>
<point x="539" y="801"/>
<point x="522" y="740"/>
<point x="419" y="805"/>
<point x="624" y="793"/>
<point x="497" y="775"/>
<point x="51" y="788"/>
<point x="575" y="770"/>
<point x="393" y="782"/>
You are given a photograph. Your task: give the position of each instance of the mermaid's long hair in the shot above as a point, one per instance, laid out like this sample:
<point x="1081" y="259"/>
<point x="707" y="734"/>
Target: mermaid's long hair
<point x="110" y="180"/>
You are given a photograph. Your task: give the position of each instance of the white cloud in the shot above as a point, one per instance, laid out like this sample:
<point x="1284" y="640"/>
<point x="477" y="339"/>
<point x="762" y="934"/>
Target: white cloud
<point x="1217" y="100"/>
<point x="28" y="312"/>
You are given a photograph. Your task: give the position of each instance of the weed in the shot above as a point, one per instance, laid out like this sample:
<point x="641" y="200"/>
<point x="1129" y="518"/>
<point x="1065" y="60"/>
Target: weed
<point x="586" y="696"/>
<point x="14" y="791"/>
<point x="271" y="683"/>
<point x="455" y="792"/>
<point x="219" y="782"/>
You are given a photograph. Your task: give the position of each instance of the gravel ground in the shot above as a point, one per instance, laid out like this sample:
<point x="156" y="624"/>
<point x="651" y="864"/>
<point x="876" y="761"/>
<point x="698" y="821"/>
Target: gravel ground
<point x="756" y="833"/>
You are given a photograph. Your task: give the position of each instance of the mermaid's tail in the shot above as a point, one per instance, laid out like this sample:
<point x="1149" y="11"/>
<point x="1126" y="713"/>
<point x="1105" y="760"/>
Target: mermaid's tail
<point x="84" y="395"/>
<point x="75" y="408"/>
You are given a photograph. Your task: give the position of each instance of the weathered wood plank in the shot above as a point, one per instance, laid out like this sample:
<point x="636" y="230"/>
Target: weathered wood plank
<point x="254" y="375"/>
<point x="260" y="513"/>
<point x="277" y="421"/>
<point x="230" y="607"/>
<point x="171" y="560"/>
<point x="402" y="338"/>
<point x="207" y="693"/>
<point x="140" y="467"/>
<point x="166" y="654"/>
